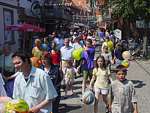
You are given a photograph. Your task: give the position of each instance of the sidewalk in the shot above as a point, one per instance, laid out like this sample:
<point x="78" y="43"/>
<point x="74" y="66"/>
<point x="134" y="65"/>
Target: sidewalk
<point x="139" y="73"/>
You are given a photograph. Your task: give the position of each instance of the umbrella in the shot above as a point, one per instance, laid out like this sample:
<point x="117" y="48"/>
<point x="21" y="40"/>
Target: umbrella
<point x="25" y="28"/>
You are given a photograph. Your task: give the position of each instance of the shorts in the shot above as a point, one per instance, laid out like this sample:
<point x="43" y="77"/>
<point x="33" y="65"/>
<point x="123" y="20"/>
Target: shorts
<point x="87" y="74"/>
<point x="103" y="91"/>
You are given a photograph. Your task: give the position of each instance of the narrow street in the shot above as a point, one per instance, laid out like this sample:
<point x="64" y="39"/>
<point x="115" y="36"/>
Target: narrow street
<point x="55" y="39"/>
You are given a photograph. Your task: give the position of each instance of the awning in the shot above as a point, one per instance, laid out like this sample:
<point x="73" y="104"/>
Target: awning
<point x="25" y="28"/>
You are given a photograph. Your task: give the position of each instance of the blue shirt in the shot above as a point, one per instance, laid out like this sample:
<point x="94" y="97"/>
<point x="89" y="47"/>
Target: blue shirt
<point x="88" y="59"/>
<point x="36" y="89"/>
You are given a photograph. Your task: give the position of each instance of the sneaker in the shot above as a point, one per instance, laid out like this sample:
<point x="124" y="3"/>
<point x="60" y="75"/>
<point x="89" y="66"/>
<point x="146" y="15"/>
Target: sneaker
<point x="107" y="109"/>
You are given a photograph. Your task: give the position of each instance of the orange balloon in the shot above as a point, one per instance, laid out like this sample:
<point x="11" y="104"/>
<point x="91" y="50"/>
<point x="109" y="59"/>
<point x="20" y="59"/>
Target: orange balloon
<point x="36" y="62"/>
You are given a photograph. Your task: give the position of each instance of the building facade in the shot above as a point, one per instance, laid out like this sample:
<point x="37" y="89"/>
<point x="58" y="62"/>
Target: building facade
<point x="49" y="14"/>
<point x="8" y="16"/>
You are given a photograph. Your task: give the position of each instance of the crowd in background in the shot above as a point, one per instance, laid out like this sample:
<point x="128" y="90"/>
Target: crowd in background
<point x="55" y="62"/>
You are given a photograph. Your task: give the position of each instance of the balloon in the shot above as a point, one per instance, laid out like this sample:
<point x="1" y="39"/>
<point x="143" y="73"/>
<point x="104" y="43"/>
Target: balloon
<point x="36" y="62"/>
<point x="76" y="54"/>
<point x="3" y="101"/>
<point x="44" y="46"/>
<point x="125" y="63"/>
<point x="126" y="55"/>
<point x="110" y="45"/>
<point x="88" y="97"/>
<point x="19" y="105"/>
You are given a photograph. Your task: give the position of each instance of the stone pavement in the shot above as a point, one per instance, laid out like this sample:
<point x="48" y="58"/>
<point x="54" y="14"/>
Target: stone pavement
<point x="138" y="72"/>
<point x="73" y="104"/>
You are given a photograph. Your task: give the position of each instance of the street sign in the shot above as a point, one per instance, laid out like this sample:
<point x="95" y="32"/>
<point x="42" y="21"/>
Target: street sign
<point x="140" y="24"/>
<point x="118" y="33"/>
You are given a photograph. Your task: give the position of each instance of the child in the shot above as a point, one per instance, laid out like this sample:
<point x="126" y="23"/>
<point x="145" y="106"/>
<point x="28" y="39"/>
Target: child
<point x="101" y="78"/>
<point x="107" y="55"/>
<point x="123" y="97"/>
<point x="69" y="75"/>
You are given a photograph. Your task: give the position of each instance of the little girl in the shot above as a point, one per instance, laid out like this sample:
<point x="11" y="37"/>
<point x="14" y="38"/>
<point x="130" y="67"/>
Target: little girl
<point x="69" y="75"/>
<point x="100" y="76"/>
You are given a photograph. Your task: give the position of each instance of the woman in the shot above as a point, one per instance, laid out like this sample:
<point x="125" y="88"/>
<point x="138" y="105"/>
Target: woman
<point x="37" y="53"/>
<point x="56" y="77"/>
<point x="55" y="54"/>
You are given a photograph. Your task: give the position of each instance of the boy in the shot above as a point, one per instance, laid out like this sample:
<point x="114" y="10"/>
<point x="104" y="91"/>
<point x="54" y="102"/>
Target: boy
<point x="123" y="97"/>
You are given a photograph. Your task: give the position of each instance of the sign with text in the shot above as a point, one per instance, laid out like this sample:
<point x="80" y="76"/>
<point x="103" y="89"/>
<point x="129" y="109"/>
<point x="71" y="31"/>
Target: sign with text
<point x="118" y="33"/>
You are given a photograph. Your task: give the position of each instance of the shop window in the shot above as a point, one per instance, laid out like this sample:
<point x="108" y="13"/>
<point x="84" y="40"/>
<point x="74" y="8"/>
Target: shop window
<point x="8" y="18"/>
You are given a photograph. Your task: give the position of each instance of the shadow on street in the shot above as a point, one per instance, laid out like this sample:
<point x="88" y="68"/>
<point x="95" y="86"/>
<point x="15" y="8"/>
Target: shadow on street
<point x="67" y="108"/>
<point x="138" y="83"/>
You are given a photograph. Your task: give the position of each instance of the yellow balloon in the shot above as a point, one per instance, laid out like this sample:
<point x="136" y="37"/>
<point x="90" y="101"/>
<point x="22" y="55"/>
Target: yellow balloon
<point x="19" y="105"/>
<point x="125" y="63"/>
<point x="76" y="54"/>
<point x="110" y="45"/>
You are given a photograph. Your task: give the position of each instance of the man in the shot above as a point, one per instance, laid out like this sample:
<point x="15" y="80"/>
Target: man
<point x="87" y="63"/>
<point x="66" y="56"/>
<point x="66" y="53"/>
<point x="33" y="85"/>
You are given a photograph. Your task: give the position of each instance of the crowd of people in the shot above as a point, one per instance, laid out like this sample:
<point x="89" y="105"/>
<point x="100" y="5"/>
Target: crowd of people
<point x="56" y="62"/>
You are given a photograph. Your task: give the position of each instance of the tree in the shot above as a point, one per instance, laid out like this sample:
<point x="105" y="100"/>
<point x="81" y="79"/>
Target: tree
<point x="130" y="11"/>
<point x="122" y="8"/>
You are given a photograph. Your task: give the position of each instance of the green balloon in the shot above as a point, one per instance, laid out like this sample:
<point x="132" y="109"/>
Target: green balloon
<point x="76" y="54"/>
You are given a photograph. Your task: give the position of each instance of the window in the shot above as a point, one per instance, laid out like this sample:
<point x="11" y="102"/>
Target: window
<point x="8" y="18"/>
